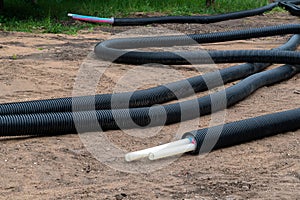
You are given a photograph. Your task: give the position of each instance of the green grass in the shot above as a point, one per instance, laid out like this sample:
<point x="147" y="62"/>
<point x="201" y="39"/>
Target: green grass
<point x="50" y="16"/>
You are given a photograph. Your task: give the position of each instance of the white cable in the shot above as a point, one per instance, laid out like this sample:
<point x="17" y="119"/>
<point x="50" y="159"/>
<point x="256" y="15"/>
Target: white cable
<point x="172" y="151"/>
<point x="145" y="153"/>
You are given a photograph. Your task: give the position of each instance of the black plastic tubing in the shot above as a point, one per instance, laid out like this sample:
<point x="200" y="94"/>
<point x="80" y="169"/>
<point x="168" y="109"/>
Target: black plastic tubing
<point x="289" y="5"/>
<point x="116" y="50"/>
<point x="192" y="19"/>
<point x="71" y="122"/>
<point x="245" y="130"/>
<point x="140" y="98"/>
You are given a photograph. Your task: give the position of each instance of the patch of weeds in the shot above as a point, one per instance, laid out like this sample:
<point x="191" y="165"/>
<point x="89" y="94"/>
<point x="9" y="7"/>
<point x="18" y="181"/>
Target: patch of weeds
<point x="14" y="57"/>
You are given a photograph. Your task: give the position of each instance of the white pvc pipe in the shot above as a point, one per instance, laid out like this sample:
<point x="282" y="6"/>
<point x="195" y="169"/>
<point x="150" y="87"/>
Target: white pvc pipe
<point x="145" y="153"/>
<point x="172" y="151"/>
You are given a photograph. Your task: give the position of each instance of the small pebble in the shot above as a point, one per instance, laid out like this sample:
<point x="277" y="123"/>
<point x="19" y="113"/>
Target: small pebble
<point x="245" y="187"/>
<point x="120" y="196"/>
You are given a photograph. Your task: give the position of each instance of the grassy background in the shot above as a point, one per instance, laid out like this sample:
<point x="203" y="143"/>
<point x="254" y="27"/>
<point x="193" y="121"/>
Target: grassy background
<point x="50" y="15"/>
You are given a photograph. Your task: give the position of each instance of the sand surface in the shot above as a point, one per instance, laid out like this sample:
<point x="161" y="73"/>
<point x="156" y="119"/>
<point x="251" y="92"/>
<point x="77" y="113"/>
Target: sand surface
<point x="41" y="66"/>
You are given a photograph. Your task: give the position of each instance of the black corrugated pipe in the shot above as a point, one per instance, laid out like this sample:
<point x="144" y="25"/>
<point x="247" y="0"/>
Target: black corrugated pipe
<point x="291" y="6"/>
<point x="67" y="122"/>
<point x="116" y="50"/>
<point x="230" y="56"/>
<point x="52" y="122"/>
<point x="224" y="135"/>
<point x="192" y="19"/>
<point x="156" y="95"/>
<point x="245" y="130"/>
<point x="160" y="94"/>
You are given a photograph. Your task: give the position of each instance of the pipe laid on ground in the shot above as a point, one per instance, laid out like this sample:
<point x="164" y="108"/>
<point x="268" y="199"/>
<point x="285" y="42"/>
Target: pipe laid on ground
<point x="174" y="19"/>
<point x="49" y="123"/>
<point x="118" y="50"/>
<point x="156" y="95"/>
<point x="192" y="19"/>
<point x="290" y="6"/>
<point x="67" y="122"/>
<point x="246" y="130"/>
<point x="231" y="134"/>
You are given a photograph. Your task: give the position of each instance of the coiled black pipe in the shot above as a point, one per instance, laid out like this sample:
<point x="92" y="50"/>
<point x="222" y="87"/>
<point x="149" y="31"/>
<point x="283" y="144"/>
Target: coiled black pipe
<point x="69" y="122"/>
<point x="192" y="19"/>
<point x="245" y="130"/>
<point x="141" y="98"/>
<point x="116" y="50"/>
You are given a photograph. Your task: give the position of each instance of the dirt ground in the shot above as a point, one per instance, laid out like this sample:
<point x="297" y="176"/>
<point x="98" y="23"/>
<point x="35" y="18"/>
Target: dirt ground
<point x="41" y="66"/>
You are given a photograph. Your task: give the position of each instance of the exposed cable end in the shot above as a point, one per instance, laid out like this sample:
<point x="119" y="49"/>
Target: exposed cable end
<point x="163" y="151"/>
<point x="168" y="152"/>
<point x="91" y="19"/>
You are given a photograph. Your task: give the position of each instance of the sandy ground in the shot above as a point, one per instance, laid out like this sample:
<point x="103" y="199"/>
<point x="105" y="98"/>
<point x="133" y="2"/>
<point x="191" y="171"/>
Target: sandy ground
<point x="40" y="66"/>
